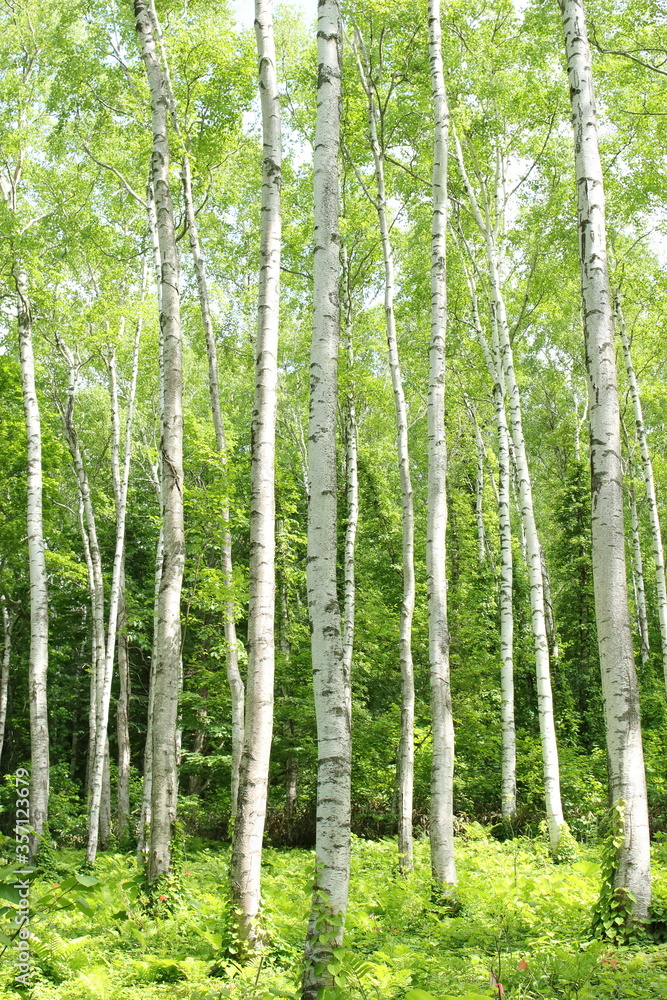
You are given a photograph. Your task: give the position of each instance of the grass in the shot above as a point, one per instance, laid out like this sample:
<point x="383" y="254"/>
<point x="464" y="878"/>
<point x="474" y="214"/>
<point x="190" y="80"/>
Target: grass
<point x="517" y="919"/>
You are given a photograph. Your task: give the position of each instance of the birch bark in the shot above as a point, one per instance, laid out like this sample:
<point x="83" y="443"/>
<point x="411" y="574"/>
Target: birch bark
<point x="168" y="643"/>
<point x="405" y="763"/>
<point x="619" y="680"/>
<point x="121" y="483"/>
<point x="351" y="474"/>
<point x="39" y="608"/>
<point x="554" y="809"/>
<point x="234" y="679"/>
<point x="443" y="865"/>
<point x="638" y="575"/>
<point x="332" y="850"/>
<point x="4" y="673"/>
<point x="254" y="772"/>
<point x="647" y="468"/>
<point x="508" y="728"/>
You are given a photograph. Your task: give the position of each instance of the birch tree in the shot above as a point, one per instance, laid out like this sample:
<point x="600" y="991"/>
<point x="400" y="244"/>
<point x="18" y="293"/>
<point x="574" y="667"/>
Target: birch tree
<point x="405" y="763"/>
<point x="441" y="827"/>
<point x="39" y="608"/>
<point x="619" y="681"/>
<point x="234" y="678"/>
<point x="508" y="730"/>
<point x="491" y="231"/>
<point x="351" y="471"/>
<point x="647" y="469"/>
<point x="330" y="681"/>
<point x="7" y="624"/>
<point x="254" y="773"/>
<point x="168" y="639"/>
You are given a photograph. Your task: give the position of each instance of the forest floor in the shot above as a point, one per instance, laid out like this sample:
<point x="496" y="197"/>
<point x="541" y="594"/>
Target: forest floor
<point x="518" y="920"/>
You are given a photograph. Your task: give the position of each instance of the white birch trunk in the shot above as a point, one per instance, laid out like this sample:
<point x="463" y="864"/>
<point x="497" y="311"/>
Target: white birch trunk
<point x="352" y="477"/>
<point x="254" y="773"/>
<point x="88" y="527"/>
<point x="554" y="809"/>
<point x="443" y="865"/>
<point x="508" y="728"/>
<point x="332" y="850"/>
<point x="619" y="680"/>
<point x="479" y="495"/>
<point x="168" y="645"/>
<point x="123" y="720"/>
<point x="99" y="805"/>
<point x="4" y="673"/>
<point x="405" y="763"/>
<point x="143" y="833"/>
<point x="647" y="468"/>
<point x="39" y="608"/>
<point x="638" y="574"/>
<point x="234" y="678"/>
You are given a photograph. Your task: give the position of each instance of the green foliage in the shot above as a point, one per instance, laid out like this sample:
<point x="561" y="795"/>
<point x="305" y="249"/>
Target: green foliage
<point x="522" y="921"/>
<point x="613" y="912"/>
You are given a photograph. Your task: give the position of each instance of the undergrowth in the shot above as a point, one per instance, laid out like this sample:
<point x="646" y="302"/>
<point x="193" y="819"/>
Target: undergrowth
<point x="521" y="929"/>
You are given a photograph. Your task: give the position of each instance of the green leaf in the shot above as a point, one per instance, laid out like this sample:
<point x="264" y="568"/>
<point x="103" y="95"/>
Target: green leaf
<point x="87" y="880"/>
<point x="83" y="906"/>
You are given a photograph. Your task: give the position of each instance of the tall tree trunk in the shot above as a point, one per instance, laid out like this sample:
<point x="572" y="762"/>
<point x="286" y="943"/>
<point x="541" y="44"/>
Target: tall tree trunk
<point x="443" y="865"/>
<point x="647" y="468"/>
<point x="405" y="763"/>
<point x="619" y="680"/>
<point x="143" y="833"/>
<point x="39" y="607"/>
<point x="330" y="680"/>
<point x="638" y="574"/>
<point x="254" y="774"/>
<point x="291" y="764"/>
<point x="508" y="728"/>
<point x="4" y="672"/>
<point x="120" y="486"/>
<point x="479" y="491"/>
<point x="351" y="474"/>
<point x="555" y="819"/>
<point x="234" y="678"/>
<point x="123" y="719"/>
<point x="100" y="773"/>
<point x="88" y="529"/>
<point x="168" y="645"/>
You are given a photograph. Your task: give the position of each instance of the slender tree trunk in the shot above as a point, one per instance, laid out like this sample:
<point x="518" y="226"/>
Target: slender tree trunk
<point x="647" y="467"/>
<point x="122" y="719"/>
<point x="638" y="573"/>
<point x="291" y="764"/>
<point x="39" y="608"/>
<point x="121" y="485"/>
<point x="479" y="492"/>
<point x="619" y="680"/>
<point x="443" y="865"/>
<point x="555" y="819"/>
<point x="88" y="528"/>
<point x="234" y="678"/>
<point x="508" y="729"/>
<point x="100" y="773"/>
<point x="351" y="475"/>
<point x="143" y="834"/>
<point x="4" y="673"/>
<point x="330" y="680"/>
<point x="405" y="763"/>
<point x="168" y="645"/>
<point x="254" y="774"/>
